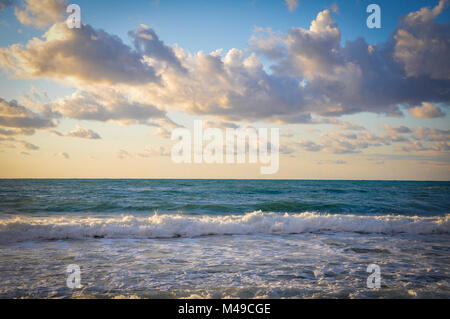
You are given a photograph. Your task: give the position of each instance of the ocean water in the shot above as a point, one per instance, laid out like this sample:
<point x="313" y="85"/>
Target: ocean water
<point x="224" y="238"/>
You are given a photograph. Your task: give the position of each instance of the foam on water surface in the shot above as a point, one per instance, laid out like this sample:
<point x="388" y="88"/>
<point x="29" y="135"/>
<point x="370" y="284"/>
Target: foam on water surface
<point x="23" y="228"/>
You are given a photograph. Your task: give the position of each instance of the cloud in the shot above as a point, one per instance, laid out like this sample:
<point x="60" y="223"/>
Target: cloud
<point x="347" y="79"/>
<point x="337" y="162"/>
<point x="121" y="154"/>
<point x="335" y="8"/>
<point x="422" y="46"/>
<point x="397" y="130"/>
<point x="14" y="115"/>
<point x="287" y="150"/>
<point x="342" y="125"/>
<point x="55" y="133"/>
<point x="402" y="138"/>
<point x="269" y="42"/>
<point x="310" y="146"/>
<point x="84" y="55"/>
<point x="16" y="131"/>
<point x="105" y="105"/>
<point x="291" y="4"/>
<point x="426" y="111"/>
<point x="287" y="133"/>
<point x="433" y="135"/>
<point x="342" y="143"/>
<point x="150" y="151"/>
<point x="219" y="124"/>
<point x="312" y="74"/>
<point x="63" y="155"/>
<point x="414" y="146"/>
<point x="84" y="133"/>
<point x="162" y="132"/>
<point x="28" y="146"/>
<point x="11" y="142"/>
<point x="148" y="44"/>
<point x="40" y="13"/>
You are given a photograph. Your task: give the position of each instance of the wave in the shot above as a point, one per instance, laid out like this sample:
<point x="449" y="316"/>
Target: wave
<point x="24" y="228"/>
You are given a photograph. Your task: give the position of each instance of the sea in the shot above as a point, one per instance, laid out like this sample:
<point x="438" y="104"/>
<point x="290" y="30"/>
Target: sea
<point x="135" y="238"/>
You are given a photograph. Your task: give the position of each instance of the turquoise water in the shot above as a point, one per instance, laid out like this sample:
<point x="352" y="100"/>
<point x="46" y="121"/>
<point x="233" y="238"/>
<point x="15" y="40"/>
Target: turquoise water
<point x="224" y="238"/>
<point x="224" y="196"/>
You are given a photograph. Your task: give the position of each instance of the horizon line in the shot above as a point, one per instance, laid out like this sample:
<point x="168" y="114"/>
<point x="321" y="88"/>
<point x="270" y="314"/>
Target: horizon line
<point x="212" y="179"/>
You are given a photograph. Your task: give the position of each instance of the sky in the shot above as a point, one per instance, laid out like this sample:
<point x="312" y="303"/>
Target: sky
<point x="101" y="101"/>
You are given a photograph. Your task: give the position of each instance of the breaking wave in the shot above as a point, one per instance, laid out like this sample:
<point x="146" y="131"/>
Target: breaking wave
<point x="24" y="228"/>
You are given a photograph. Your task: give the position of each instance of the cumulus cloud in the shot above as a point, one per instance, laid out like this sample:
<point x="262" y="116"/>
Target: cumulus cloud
<point x="348" y="79"/>
<point x="148" y="44"/>
<point x="312" y="74"/>
<point x="422" y="46"/>
<point x="85" y="54"/>
<point x="82" y="132"/>
<point x="426" y="111"/>
<point x="40" y="13"/>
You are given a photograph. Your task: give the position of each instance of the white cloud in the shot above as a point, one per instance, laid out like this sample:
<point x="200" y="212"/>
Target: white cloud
<point x="426" y="111"/>
<point x="82" y="55"/>
<point x="40" y="13"/>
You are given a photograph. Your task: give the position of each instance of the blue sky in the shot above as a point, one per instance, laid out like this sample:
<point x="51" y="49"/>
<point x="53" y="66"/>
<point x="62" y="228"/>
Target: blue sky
<point x="211" y="24"/>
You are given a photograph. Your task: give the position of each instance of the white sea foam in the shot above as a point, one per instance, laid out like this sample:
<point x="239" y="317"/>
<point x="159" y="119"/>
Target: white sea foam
<point x="24" y="228"/>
